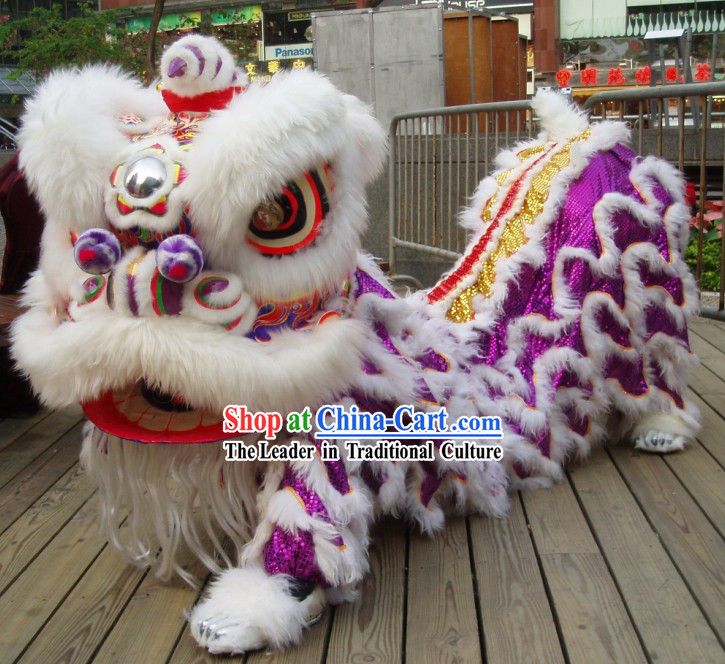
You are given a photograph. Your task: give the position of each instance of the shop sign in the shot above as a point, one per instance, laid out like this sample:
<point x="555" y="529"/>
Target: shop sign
<point x="299" y="16"/>
<point x="236" y="15"/>
<point x="511" y="6"/>
<point x="288" y="51"/>
<point x="185" y="20"/>
<point x="168" y="22"/>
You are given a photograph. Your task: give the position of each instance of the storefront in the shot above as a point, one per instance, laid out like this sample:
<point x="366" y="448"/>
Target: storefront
<point x="287" y="42"/>
<point x="240" y="28"/>
<point x="264" y="42"/>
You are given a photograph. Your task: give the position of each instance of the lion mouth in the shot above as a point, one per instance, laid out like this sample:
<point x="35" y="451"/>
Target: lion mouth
<point x="145" y="414"/>
<point x="165" y="401"/>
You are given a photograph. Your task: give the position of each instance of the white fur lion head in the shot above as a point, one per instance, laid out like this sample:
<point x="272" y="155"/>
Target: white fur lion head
<point x="238" y="163"/>
<point x="193" y="205"/>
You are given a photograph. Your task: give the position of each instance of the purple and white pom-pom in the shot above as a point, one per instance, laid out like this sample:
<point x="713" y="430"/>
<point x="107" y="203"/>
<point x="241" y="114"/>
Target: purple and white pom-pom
<point x="96" y="251"/>
<point x="179" y="258"/>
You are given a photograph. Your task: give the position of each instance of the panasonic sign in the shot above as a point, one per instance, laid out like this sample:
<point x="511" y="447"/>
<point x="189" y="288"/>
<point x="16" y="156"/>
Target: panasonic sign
<point x="288" y="51"/>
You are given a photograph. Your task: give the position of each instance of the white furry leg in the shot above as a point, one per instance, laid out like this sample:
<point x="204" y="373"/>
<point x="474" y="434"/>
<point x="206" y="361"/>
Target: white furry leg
<point x="661" y="433"/>
<point x="246" y="609"/>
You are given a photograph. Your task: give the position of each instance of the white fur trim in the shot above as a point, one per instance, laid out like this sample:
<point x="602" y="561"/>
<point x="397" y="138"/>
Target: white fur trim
<point x="177" y="497"/>
<point x="77" y="361"/>
<point x="559" y="118"/>
<point x="66" y="164"/>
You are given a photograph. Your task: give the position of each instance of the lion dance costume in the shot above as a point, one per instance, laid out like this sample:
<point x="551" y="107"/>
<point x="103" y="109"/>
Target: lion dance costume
<point x="202" y="248"/>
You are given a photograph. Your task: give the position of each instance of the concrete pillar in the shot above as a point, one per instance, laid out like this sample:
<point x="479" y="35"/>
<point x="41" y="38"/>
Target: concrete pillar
<point x="546" y="38"/>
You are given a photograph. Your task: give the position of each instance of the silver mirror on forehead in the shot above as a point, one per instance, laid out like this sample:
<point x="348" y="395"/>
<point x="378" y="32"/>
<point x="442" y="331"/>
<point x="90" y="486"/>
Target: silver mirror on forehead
<point x="145" y="176"/>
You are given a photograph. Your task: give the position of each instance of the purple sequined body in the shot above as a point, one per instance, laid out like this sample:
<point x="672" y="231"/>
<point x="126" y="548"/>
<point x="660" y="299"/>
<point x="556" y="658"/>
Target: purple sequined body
<point x="532" y="292"/>
<point x="623" y="367"/>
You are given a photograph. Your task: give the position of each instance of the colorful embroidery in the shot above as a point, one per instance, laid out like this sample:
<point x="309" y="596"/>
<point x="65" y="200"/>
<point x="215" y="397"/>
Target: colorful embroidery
<point x="275" y="316"/>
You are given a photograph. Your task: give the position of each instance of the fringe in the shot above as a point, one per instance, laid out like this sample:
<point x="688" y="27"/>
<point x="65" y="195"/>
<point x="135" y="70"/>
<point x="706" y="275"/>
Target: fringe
<point x="188" y="499"/>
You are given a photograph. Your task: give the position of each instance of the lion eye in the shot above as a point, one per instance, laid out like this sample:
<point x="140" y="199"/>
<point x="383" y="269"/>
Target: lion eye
<point x="291" y="220"/>
<point x="268" y="217"/>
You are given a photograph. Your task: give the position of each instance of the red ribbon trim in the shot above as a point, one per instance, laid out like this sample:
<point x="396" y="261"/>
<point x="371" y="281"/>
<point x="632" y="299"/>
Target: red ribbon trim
<point x="203" y="103"/>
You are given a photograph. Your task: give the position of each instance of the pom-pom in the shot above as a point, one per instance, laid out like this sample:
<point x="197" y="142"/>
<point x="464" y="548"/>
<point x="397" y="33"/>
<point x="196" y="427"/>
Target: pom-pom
<point x="179" y="258"/>
<point x="96" y="251"/>
<point x="198" y="75"/>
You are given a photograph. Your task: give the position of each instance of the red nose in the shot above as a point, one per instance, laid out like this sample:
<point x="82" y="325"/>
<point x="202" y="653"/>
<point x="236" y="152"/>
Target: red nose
<point x="87" y="255"/>
<point x="178" y="271"/>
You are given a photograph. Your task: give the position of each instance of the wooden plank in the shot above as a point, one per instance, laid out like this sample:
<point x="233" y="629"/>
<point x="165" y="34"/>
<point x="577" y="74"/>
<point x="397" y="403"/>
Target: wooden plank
<point x="712" y="331"/>
<point x="78" y="626"/>
<point x="593" y="619"/>
<point x="152" y="621"/>
<point x="311" y="649"/>
<point x="31" y="599"/>
<point x="31" y="445"/>
<point x="441" y="621"/>
<point x="712" y="426"/>
<point x="187" y="651"/>
<point x="668" y="620"/>
<point x="692" y="542"/>
<point x="703" y="478"/>
<point x="587" y="604"/>
<point x="21" y="542"/>
<point x="557" y="524"/>
<point x="35" y="479"/>
<point x="515" y="611"/>
<point x="13" y="427"/>
<point x="709" y="387"/>
<point x="712" y="357"/>
<point x="707" y="339"/>
<point x="371" y="628"/>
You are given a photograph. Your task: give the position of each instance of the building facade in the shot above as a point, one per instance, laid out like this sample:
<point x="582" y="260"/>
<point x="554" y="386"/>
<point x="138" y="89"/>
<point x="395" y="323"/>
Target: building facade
<point x="264" y="37"/>
<point x="593" y="44"/>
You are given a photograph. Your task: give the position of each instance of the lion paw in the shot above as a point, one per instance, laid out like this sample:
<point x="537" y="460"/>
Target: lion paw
<point x="659" y="442"/>
<point x="247" y="609"/>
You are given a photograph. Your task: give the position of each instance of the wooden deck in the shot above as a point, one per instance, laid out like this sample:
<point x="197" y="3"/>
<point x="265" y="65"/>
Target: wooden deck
<point x="623" y="562"/>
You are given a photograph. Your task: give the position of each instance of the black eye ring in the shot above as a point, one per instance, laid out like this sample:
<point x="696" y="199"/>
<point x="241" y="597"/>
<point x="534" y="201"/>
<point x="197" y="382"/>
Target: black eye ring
<point x="291" y="220"/>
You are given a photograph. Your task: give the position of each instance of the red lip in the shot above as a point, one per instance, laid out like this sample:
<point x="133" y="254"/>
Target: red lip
<point x="127" y="413"/>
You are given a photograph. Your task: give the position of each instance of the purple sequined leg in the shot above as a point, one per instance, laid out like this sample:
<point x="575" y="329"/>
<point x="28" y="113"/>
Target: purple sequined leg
<point x="294" y="553"/>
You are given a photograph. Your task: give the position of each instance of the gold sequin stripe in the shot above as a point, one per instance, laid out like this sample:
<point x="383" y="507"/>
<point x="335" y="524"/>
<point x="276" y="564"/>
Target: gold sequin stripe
<point x="526" y="153"/>
<point x="464" y="271"/>
<point x="513" y="236"/>
<point x="502" y="177"/>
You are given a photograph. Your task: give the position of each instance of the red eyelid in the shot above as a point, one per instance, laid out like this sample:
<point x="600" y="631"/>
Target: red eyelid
<point x="295" y="207"/>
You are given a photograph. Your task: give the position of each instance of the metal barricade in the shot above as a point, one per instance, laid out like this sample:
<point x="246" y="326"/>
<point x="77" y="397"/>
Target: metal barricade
<point x="678" y="122"/>
<point x="438" y="157"/>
